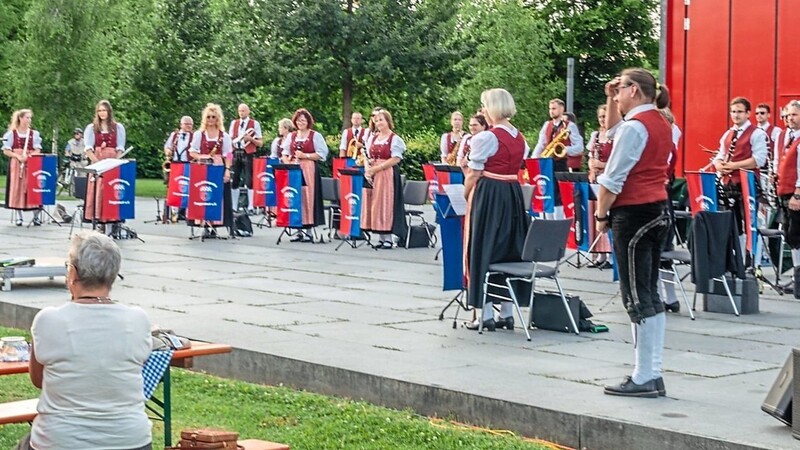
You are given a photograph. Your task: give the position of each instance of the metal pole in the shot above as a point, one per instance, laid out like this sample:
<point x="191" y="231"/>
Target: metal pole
<point x="570" y="83"/>
<point x="662" y="43"/>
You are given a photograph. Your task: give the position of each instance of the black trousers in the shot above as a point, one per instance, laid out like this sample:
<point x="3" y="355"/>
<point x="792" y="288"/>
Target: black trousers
<point x="639" y="232"/>
<point x="242" y="170"/>
<point x="791" y="222"/>
<point x="734" y="193"/>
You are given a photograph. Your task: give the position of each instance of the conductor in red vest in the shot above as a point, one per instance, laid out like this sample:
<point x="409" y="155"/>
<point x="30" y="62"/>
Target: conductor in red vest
<point x="633" y="201"/>
<point x="789" y="187"/>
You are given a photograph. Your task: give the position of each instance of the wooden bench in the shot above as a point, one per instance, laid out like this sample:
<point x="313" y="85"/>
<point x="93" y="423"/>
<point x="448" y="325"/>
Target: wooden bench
<point x="22" y="411"/>
<point x="256" y="444"/>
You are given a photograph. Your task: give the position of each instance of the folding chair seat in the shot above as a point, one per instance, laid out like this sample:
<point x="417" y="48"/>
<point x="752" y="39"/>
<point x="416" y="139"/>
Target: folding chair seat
<point x="546" y="242"/>
<point x="415" y="193"/>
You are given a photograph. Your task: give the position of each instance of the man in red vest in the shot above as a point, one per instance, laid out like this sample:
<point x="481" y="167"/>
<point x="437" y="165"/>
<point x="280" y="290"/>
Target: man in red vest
<point x="744" y="146"/>
<point x="246" y="137"/>
<point x="789" y="187"/>
<point x="573" y="144"/>
<point x="356" y="131"/>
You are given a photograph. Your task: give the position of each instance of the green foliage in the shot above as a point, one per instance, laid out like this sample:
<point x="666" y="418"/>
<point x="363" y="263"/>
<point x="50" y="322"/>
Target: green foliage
<point x="604" y="37"/>
<point x="515" y="59"/>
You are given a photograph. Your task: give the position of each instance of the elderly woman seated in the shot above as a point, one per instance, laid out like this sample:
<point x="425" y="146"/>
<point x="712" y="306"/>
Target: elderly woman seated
<point x="87" y="357"/>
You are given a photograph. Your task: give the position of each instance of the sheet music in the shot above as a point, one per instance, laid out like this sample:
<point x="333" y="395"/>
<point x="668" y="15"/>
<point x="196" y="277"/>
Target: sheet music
<point x="105" y="165"/>
<point x="455" y="192"/>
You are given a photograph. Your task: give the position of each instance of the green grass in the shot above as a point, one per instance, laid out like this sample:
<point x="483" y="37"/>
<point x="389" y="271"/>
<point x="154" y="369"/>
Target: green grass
<point x="301" y="419"/>
<point x="145" y="187"/>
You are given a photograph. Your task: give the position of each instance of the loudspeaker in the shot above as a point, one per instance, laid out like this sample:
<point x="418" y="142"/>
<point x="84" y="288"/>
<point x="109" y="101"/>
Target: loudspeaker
<point x="778" y="403"/>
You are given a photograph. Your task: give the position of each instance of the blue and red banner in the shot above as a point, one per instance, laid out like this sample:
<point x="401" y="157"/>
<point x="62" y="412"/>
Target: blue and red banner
<point x="702" y="191"/>
<point x="264" y="182"/>
<point x="452" y="232"/>
<point x="540" y="176"/>
<point x="582" y="215"/>
<point x="444" y="177"/>
<point x="119" y="193"/>
<point x="288" y="184"/>
<point x="205" y="192"/>
<point x="42" y="174"/>
<point x="749" y="201"/>
<point x="430" y="176"/>
<point x="351" y="185"/>
<point x="178" y="185"/>
<point x="567" y="190"/>
<point x="341" y="163"/>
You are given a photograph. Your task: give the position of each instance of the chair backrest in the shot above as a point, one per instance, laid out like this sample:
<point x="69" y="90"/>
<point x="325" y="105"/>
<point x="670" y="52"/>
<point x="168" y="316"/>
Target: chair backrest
<point x="415" y="192"/>
<point x="546" y="240"/>
<point x="527" y="195"/>
<point x="329" y="190"/>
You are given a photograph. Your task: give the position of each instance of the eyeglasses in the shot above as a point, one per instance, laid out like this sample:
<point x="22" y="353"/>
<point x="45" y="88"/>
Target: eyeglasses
<point x="762" y="113"/>
<point x="211" y="117"/>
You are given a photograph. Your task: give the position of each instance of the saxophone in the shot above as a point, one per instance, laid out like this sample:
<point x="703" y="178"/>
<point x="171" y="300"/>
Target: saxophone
<point x="165" y="165"/>
<point x="452" y="155"/>
<point x="556" y="147"/>
<point x="352" y="149"/>
<point x="722" y="195"/>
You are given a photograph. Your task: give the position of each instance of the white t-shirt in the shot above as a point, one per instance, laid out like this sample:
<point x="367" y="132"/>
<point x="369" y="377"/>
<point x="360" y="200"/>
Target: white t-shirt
<point x="92" y="389"/>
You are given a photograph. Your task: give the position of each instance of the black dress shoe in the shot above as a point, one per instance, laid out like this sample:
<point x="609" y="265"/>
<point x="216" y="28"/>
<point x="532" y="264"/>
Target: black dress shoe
<point x="488" y="325"/>
<point x="507" y="323"/>
<point x="672" y="307"/>
<point x="662" y="391"/>
<point x="630" y="389"/>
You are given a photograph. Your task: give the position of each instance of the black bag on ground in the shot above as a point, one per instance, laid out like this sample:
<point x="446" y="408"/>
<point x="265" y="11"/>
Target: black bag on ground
<point x="242" y="225"/>
<point x="549" y="313"/>
<point x="418" y="237"/>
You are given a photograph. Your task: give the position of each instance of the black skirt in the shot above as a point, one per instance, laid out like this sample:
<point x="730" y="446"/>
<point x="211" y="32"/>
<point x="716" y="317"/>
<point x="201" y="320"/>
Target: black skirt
<point x="498" y="225"/>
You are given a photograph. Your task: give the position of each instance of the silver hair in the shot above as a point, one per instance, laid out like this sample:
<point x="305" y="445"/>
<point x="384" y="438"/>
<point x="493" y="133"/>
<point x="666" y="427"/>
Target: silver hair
<point x="794" y="104"/>
<point x="96" y="259"/>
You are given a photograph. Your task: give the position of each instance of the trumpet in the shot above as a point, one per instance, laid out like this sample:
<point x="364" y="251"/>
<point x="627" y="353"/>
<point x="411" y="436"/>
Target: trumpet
<point x="248" y="132"/>
<point x="363" y="160"/>
<point x="556" y="147"/>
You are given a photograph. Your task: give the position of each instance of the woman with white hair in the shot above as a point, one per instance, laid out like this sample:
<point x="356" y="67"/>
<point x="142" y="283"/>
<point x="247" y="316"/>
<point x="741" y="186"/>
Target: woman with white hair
<point x="498" y="220"/>
<point x="87" y="357"/>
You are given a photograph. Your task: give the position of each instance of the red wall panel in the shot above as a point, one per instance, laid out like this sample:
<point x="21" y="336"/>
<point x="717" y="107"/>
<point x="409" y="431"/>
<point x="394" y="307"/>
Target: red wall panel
<point x="732" y="48"/>
<point x="706" y="89"/>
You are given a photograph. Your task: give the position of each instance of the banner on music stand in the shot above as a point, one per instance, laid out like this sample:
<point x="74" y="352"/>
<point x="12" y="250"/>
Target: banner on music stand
<point x="540" y="174"/>
<point x="341" y="163"/>
<point x="748" y="180"/>
<point x="178" y="185"/>
<point x="119" y="193"/>
<point x="42" y="174"/>
<point x="430" y="176"/>
<point x="351" y="186"/>
<point x="567" y="190"/>
<point x="288" y="184"/>
<point x="702" y="188"/>
<point x="445" y="174"/>
<point x="451" y="228"/>
<point x="582" y="215"/>
<point x="264" y="182"/>
<point x="205" y="192"/>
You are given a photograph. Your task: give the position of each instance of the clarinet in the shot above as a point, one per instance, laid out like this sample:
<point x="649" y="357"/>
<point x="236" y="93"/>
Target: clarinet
<point x="722" y="195"/>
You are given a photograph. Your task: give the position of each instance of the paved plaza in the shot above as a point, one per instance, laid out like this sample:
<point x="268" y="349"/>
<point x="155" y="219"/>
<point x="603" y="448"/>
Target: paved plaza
<point x="364" y="323"/>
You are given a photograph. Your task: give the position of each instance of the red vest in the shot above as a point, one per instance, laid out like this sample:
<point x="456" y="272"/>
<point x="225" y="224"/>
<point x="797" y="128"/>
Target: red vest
<point x="109" y="138"/>
<point x="741" y="151"/>
<point x="306" y="146"/>
<point x="206" y="144"/>
<point x="19" y="141"/>
<point x="359" y="138"/>
<point x="467" y="145"/>
<point x="646" y="180"/>
<point x="251" y="147"/>
<point x="381" y="151"/>
<point x="787" y="170"/>
<point x="176" y="155"/>
<point x="510" y="153"/>
<point x="573" y="162"/>
<point x="780" y="146"/>
<point x="770" y="142"/>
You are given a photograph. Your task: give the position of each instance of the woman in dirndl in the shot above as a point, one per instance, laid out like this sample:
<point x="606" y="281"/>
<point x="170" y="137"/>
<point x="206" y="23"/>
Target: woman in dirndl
<point x="383" y="210"/>
<point x="477" y="123"/>
<point x="19" y="142"/>
<point x="212" y="145"/>
<point x="307" y="148"/>
<point x="498" y="220"/>
<point x="105" y="138"/>
<point x="599" y="150"/>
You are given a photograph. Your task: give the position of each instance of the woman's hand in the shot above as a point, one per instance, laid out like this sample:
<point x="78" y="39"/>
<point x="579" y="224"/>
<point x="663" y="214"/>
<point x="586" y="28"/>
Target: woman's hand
<point x="227" y="177"/>
<point x="601" y="227"/>
<point x="22" y="158"/>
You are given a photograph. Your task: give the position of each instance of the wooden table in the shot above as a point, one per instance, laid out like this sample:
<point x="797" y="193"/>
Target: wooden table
<point x="181" y="358"/>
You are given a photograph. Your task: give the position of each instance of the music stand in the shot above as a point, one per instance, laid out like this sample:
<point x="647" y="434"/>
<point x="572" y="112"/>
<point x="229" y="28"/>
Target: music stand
<point x="449" y="215"/>
<point x="450" y="175"/>
<point x="351" y="187"/>
<point x="197" y="183"/>
<point x="159" y="218"/>
<point x="575" y="178"/>
<point x="267" y="215"/>
<point x="287" y="228"/>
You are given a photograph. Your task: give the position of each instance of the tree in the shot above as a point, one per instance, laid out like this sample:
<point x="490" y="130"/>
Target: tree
<point x="604" y="37"/>
<point x="511" y="48"/>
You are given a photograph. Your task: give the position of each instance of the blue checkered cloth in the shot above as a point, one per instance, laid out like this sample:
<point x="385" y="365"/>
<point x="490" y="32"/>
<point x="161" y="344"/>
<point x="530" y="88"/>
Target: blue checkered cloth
<point x="155" y="366"/>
